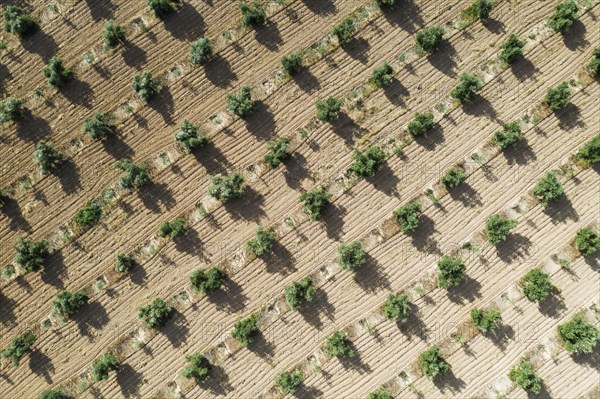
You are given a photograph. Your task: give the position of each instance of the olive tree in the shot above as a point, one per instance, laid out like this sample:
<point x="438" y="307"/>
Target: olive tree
<point x="124" y="263"/>
<point x="587" y="241"/>
<point x="338" y="345"/>
<point x="89" y="215"/>
<point x="263" y="242"/>
<point x="189" y="137"/>
<point x="299" y="292"/>
<point x="17" y="22"/>
<point x="466" y="88"/>
<point x="200" y="51"/>
<point x="328" y="109"/>
<point x="368" y="162"/>
<point x="536" y="285"/>
<point x="113" y="34"/>
<point x="432" y="363"/>
<point x="135" y="176"/>
<point x="198" y="368"/>
<point x="525" y="377"/>
<point x="590" y="152"/>
<point x="47" y="158"/>
<point x="510" y="134"/>
<point x="385" y="3"/>
<point x="453" y="177"/>
<point x="498" y="227"/>
<point x="486" y="320"/>
<point x="19" y="347"/>
<point x="382" y="75"/>
<point x="578" y="335"/>
<point x="594" y="65"/>
<point x="245" y="330"/>
<point x="98" y="126"/>
<point x="512" y="49"/>
<point x="104" y="365"/>
<point x="145" y="86"/>
<point x="344" y="30"/>
<point x="397" y="307"/>
<point x="207" y="281"/>
<point x="161" y="8"/>
<point x="479" y="9"/>
<point x="67" y="303"/>
<point x="172" y="228"/>
<point x="253" y="14"/>
<point x="56" y="73"/>
<point x="289" y="381"/>
<point x="315" y="202"/>
<point x="380" y="393"/>
<point x="407" y="216"/>
<point x="241" y="104"/>
<point x="291" y="63"/>
<point x="430" y="39"/>
<point x="451" y="271"/>
<point x="278" y="151"/>
<point x="228" y="187"/>
<point x="155" y="314"/>
<point x="558" y="97"/>
<point x="565" y="14"/>
<point x="549" y="189"/>
<point x="31" y="254"/>
<point x="352" y="255"/>
<point x="11" y="109"/>
<point x="421" y="124"/>
<point x="54" y="394"/>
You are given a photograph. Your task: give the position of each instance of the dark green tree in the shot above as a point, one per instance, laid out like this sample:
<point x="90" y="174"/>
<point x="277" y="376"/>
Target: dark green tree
<point x="67" y="303"/>
<point x="352" y="255"/>
<point x="368" y="162"/>
<point x="594" y="65"/>
<point x="479" y="9"/>
<point x="385" y="3"/>
<point x="328" y="109"/>
<point x="590" y="152"/>
<point x="98" y="126"/>
<point x="338" y="345"/>
<point x="207" y="281"/>
<point x="315" y="202"/>
<point x="564" y="15"/>
<point x="56" y="73"/>
<point x="172" y="228"/>
<point x="124" y="263"/>
<point x="397" y="307"/>
<point x="291" y="63"/>
<point x="19" y="346"/>
<point x="17" y="22"/>
<point x="380" y="393"/>
<point x="241" y="104"/>
<point x="156" y="314"/>
<point x="451" y="271"/>
<point x="263" y="241"/>
<point x="497" y="228"/>
<point x="113" y="34"/>
<point x="104" y="365"/>
<point x="289" y="381"/>
<point x="161" y="8"/>
<point x="145" y="86"/>
<point x="466" y="88"/>
<point x="278" y="151"/>
<point x="382" y="75"/>
<point x="344" y="31"/>
<point x="430" y="39"/>
<point x="228" y="187"/>
<point x="587" y="241"/>
<point x="432" y="363"/>
<point x="578" y="335"/>
<point x="47" y="158"/>
<point x="524" y="376"/>
<point x="11" y="109"/>
<point x="253" y="14"/>
<point x="89" y="215"/>
<point x="536" y="285"/>
<point x="485" y="320"/>
<point x="453" y="177"/>
<point x="421" y="124"/>
<point x="189" y="137"/>
<point x="200" y="51"/>
<point x="559" y="96"/>
<point x="510" y="134"/>
<point x="512" y="49"/>
<point x="407" y="216"/>
<point x="197" y="369"/>
<point x="54" y="394"/>
<point x="549" y="189"/>
<point x="299" y="292"/>
<point x="31" y="254"/>
<point x="245" y="330"/>
<point x="136" y="175"/>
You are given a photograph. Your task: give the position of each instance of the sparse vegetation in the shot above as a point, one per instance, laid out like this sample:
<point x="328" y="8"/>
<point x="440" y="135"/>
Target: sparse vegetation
<point x="156" y="314"/>
<point x="104" y="365"/>
<point x="565" y="14"/>
<point x="578" y="335"/>
<point x="200" y="51"/>
<point x="145" y="86"/>
<point x="56" y="73"/>
<point x="19" y="347"/>
<point x="587" y="241"/>
<point x="352" y="255"/>
<point x="172" y="228"/>
<point x="382" y="75"/>
<point x="467" y="87"/>
<point x="253" y="14"/>
<point x="549" y="189"/>
<point x="525" y="378"/>
<point x="278" y="151"/>
<point x="486" y="320"/>
<point x="512" y="49"/>
<point x="536" y="285"/>
<point x="11" y="109"/>
<point x="510" y="134"/>
<point x="289" y="381"/>
<point x="432" y="363"/>
<point x="315" y="202"/>
<point x="498" y="227"/>
<point x="558" y="97"/>
<point x="241" y="104"/>
<point x="430" y="39"/>
<point x="453" y="177"/>
<point x="368" y="162"/>
<point x="31" y="254"/>
<point x="338" y="345"/>
<point x="245" y="330"/>
<point x="189" y="137"/>
<point x="328" y="109"/>
<point x="421" y="124"/>
<point x="47" y="158"/>
<point x="451" y="271"/>
<point x="113" y="34"/>
<point x="89" y="215"/>
<point x="17" y="22"/>
<point x="197" y="369"/>
<point x="299" y="292"/>
<point x="98" y="126"/>
<point x="291" y="63"/>
<point x="136" y="175"/>
<point x="228" y="187"/>
<point x="407" y="216"/>
<point x="263" y="242"/>
<point x="397" y="307"/>
<point x="207" y="281"/>
<point x="344" y="31"/>
<point x="124" y="263"/>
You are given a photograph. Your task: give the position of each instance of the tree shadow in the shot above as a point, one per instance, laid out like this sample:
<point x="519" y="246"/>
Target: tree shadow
<point x="444" y="59"/>
<point x="41" y="365"/>
<point x="307" y="81"/>
<point x="308" y="392"/>
<point x="468" y="290"/>
<point x="177" y="329"/>
<point x="347" y="128"/>
<point x="406" y="15"/>
<point x="515" y="247"/>
<point x="133" y="55"/>
<point x="295" y="171"/>
<point x="5" y="77"/>
<point x="313" y="311"/>
<point x="591" y="360"/>
<point x="449" y="382"/>
<point x="218" y="71"/>
<point x="212" y="159"/>
<point x="520" y="154"/>
<point x="101" y="9"/>
<point x="230" y="298"/>
<point x="553" y="306"/>
<point x="217" y="381"/>
<point x="69" y="177"/>
<point x="279" y="260"/>
<point x="13" y="212"/>
<point x="574" y="38"/>
<point x="7" y="310"/>
<point x="269" y="36"/>
<point x="414" y="325"/>
<point x="562" y="210"/>
<point x="433" y="139"/>
<point x="78" y="92"/>
<point x="321" y="7"/>
<point x="333" y="220"/>
<point x="155" y="196"/>
<point x="94" y="317"/>
<point x="138" y="275"/>
<point x="466" y="195"/>
<point x="395" y="91"/>
<point x="421" y="237"/>
<point x="261" y="347"/>
<point x="189" y="243"/>
<point x="129" y="381"/>
<point x="32" y="128"/>
<point x="40" y="43"/>
<point x="261" y="123"/>
<point x="355" y="362"/>
<point x="185" y="23"/>
<point x="164" y="105"/>
<point x="116" y="147"/>
<point x="593" y="260"/>
<point x="249" y="207"/>
<point x="523" y="69"/>
<point x="358" y="49"/>
<point x="569" y="117"/>
<point x="370" y="276"/>
<point x="501" y="336"/>
<point x="494" y="26"/>
<point x="54" y="270"/>
<point x="480" y="106"/>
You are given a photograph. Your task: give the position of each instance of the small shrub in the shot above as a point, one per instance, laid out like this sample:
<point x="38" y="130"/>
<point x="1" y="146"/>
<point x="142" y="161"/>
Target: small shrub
<point x="344" y="31"/>
<point x="524" y="376"/>
<point x="113" y="34"/>
<point x="328" y="109"/>
<point x="11" y="109"/>
<point x="98" y="126"/>
<point x="19" y="346"/>
<point x="338" y="345"/>
<point x="578" y="335"/>
<point x="452" y="271"/>
<point x="549" y="189"/>
<point x="161" y="8"/>
<point x="466" y="88"/>
<point x="145" y="86"/>
<point x="497" y="228"/>
<point x="432" y="363"/>
<point x="367" y="163"/>
<point x="104" y="365"/>
<point x="485" y="320"/>
<point x="56" y="73"/>
<point x="225" y="188"/>
<point x="245" y="330"/>
<point x="421" y="124"/>
<point x="564" y="15"/>
<point x="536" y="285"/>
<point x="407" y="216"/>
<point x="200" y="51"/>
<point x="288" y="381"/>
<point x="352" y="255"/>
<point x="299" y="292"/>
<point x="253" y="14"/>
<point x="397" y="307"/>
<point x="315" y="202"/>
<point x="590" y="152"/>
<point x="512" y="49"/>
<point x="430" y="39"/>
<point x="207" y="281"/>
<point x="278" y="151"/>
<point x="189" y="137"/>
<point x="47" y="158"/>
<point x="453" y="177"/>
<point x="510" y="134"/>
<point x="54" y="394"/>
<point x="197" y="369"/>
<point x="241" y="104"/>
<point x="124" y="263"/>
<point x="291" y="63"/>
<point x="559" y="96"/>
<point x="89" y="215"/>
<point x="587" y="241"/>
<point x="156" y="314"/>
<point x="172" y="228"/>
<point x="479" y="9"/>
<point x="380" y="393"/>
<point x="67" y="303"/>
<point x="594" y="65"/>
<point x="17" y="22"/>
<point x="382" y="76"/>
<point x="31" y="254"/>
<point x="136" y="175"/>
<point x="262" y="242"/>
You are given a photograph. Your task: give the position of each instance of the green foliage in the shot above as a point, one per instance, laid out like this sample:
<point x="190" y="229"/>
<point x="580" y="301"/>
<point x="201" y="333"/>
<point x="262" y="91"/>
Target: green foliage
<point x="19" y="346"/>
<point x="104" y="365"/>
<point x="278" y="151"/>
<point x="453" y="177"/>
<point x="225" y="188"/>
<point x="172" y="228"/>
<point x="31" y="254"/>
<point x="207" y="281"/>
<point x="509" y="135"/>
<point x="452" y="271"/>
<point x="156" y="314"/>
<point x="397" y="307"/>
<point x="291" y="63"/>
<point x="558" y="97"/>
<point x="198" y="368"/>
<point x="200" y="51"/>
<point x="241" y="104"/>
<point x="253" y="14"/>
<point x="161" y="8"/>
<point x="288" y="381"/>
<point x="11" y="109"/>
<point x="338" y="345"/>
<point x="524" y="376"/>
<point x="47" y="158"/>
<point x="315" y="202"/>
<point x="344" y="30"/>
<point x="466" y="88"/>
<point x="89" y="215"/>
<point x="189" y="137"/>
<point x="407" y="216"/>
<point x="56" y="73"/>
<point x="479" y="9"/>
<point x="54" y="394"/>
<point x="144" y="85"/>
<point x="382" y="76"/>
<point x="136" y="175"/>
<point x="380" y="393"/>
<point x="578" y="335"/>
<point x="594" y="64"/>
<point x="113" y="34"/>
<point x="421" y="124"/>
<point x="549" y="189"/>
<point x="432" y="363"/>
<point x="367" y="163"/>
<point x="299" y="292"/>
<point x="67" y="303"/>
<point x="328" y="109"/>
<point x="245" y="330"/>
<point x="536" y="285"/>
<point x="124" y="263"/>
<point x="564" y="15"/>
<point x="98" y="126"/>
<point x="497" y="228"/>
<point x="17" y="22"/>
<point x="430" y="39"/>
<point x="590" y="152"/>
<point x="262" y="242"/>
<point x="587" y="241"/>
<point x="512" y="49"/>
<point x="385" y="3"/>
<point x="352" y="255"/>
<point x="485" y="320"/>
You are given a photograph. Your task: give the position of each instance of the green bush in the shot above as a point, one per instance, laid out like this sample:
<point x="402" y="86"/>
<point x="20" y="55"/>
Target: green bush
<point x="338" y="345"/>
<point x="466" y="88"/>
<point x="452" y="270"/>
<point x="512" y="49"/>
<point x="253" y="14"/>
<point x="299" y="292"/>
<point x="291" y="63"/>
<point x="19" y="346"/>
<point x="104" y="365"/>
<point x="397" y="307"/>
<point x="549" y="189"/>
<point x="124" y="263"/>
<point x="315" y="202"/>
<point x="225" y="188"/>
<point x="67" y="303"/>
<point x="328" y="109"/>
<point x="207" y="281"/>
<point x="172" y="228"/>
<point x="430" y="39"/>
<point x="564" y="15"/>
<point x="536" y="285"/>
<point x="558" y="97"/>
<point x="54" y="394"/>
<point x="524" y="376"/>
<point x="432" y="363"/>
<point x="56" y="73"/>
<point x="344" y="31"/>
<point x="17" y="22"/>
<point x="161" y="8"/>
<point x="421" y="124"/>
<point x="594" y="64"/>
<point x="486" y="320"/>
<point x="98" y="126"/>
<point x="367" y="163"/>
<point x="509" y="135"/>
<point x="288" y="381"/>
<point x="31" y="254"/>
<point x="380" y="393"/>
<point x="241" y="104"/>
<point x="47" y="158"/>
<point x="590" y="152"/>
<point x="278" y="151"/>
<point x="587" y="241"/>
<point x="136" y="175"/>
<point x="245" y="330"/>
<point x="407" y="216"/>
<point x="197" y="369"/>
<point x="11" y="109"/>
<point x="382" y="76"/>
<point x="262" y="242"/>
<point x="145" y="86"/>
<point x="479" y="9"/>
<point x="156" y="314"/>
<point x="189" y="137"/>
<point x="352" y="255"/>
<point x="578" y="335"/>
<point x="89" y="215"/>
<point x="200" y="51"/>
<point x="113" y="34"/>
<point x="453" y="177"/>
<point x="385" y="3"/>
<point x="497" y="228"/>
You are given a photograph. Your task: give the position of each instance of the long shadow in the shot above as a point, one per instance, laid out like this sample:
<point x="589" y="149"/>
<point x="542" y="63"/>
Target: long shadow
<point x="92" y="318"/>
<point x="321" y="7"/>
<point x="385" y="180"/>
<point x="164" y="105"/>
<point x="54" y="270"/>
<point x="395" y="91"/>
<point x="189" y="243"/>
<point x="7" y="310"/>
<point x="523" y="69"/>
<point x="494" y="25"/>
<point x="569" y="117"/>
<point x="212" y="158"/>
<point x="370" y="276"/>
<point x="269" y="36"/>
<point x="261" y="123"/>
<point x="32" y="128"/>
<point x="116" y="147"/>
<point x="261" y="347"/>
<point x="133" y="55"/>
<point x="562" y="210"/>
<point x="421" y="237"/>
<point x="347" y="128"/>
<point x="138" y="275"/>
<point x="313" y="311"/>
<point x="358" y="49"/>
<point x="554" y="306"/>
<point x="333" y="220"/>
<point x="444" y="59"/>
<point x="177" y="329"/>
<point x="101" y="9"/>
<point x="249" y="207"/>
<point x="78" y="92"/>
<point x="218" y="71"/>
<point x="296" y="170"/>
<point x="217" y="381"/>
<point x="41" y="365"/>
<point x="433" y="139"/>
<point x="129" y="380"/>
<point x="308" y="392"/>
<point x="406" y="15"/>
<point x="574" y="38"/>
<point x="355" y="362"/>
<point x="13" y="212"/>
<point x="185" y="24"/>
<point x="5" y="77"/>
<point x="40" y="43"/>
<point x="502" y="335"/>
<point x="414" y="325"/>
<point x="467" y="291"/>
<point x="69" y="177"/>
<point x="593" y="260"/>
<point x="589" y="359"/>
<point x="307" y="81"/>
<point x="230" y="298"/>
<point x="449" y="382"/>
<point x="102" y="72"/>
<point x="155" y="196"/>
<point x="280" y="260"/>
<point x="480" y="106"/>
<point x="515" y="247"/>
<point x="521" y="153"/>
<point x="466" y="195"/>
